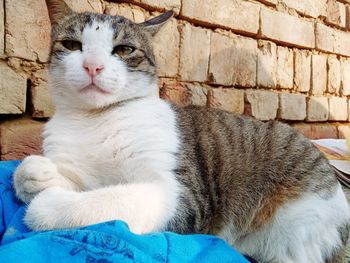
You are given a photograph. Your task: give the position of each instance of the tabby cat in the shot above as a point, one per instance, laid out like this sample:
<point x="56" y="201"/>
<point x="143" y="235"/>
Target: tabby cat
<point x="114" y="150"/>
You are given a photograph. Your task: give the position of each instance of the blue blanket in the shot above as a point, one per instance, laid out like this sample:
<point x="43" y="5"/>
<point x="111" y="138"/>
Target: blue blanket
<point x="101" y="243"/>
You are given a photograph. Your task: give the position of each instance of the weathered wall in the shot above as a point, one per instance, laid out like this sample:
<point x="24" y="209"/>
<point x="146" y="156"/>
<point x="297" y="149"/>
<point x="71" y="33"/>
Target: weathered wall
<point x="272" y="59"/>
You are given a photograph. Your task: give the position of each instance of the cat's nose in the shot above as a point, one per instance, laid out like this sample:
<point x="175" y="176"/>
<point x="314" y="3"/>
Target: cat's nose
<point x="93" y="69"/>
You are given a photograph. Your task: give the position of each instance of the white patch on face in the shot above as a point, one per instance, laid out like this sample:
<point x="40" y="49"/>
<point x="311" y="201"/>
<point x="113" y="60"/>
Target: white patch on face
<point x="113" y="83"/>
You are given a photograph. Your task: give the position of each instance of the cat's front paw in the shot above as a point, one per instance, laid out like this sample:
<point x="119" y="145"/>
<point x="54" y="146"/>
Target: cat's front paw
<point x="33" y="175"/>
<point x="51" y="209"/>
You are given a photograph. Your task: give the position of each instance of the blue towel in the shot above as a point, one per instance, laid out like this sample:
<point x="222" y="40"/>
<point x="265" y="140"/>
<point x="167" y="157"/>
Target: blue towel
<point x="101" y="243"/>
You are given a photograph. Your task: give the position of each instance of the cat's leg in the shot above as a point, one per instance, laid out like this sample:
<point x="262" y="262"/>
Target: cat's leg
<point x="145" y="207"/>
<point x="35" y="174"/>
<point x="308" y="230"/>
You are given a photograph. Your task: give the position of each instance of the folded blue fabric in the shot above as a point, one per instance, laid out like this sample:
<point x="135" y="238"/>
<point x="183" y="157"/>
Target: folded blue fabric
<point x="101" y="243"/>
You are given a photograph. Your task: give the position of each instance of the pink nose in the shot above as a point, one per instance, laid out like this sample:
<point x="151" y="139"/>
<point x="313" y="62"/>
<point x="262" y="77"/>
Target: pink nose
<point x="93" y="69"/>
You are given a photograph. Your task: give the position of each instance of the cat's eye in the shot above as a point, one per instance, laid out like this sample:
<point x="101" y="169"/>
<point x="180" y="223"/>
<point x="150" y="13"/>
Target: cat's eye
<point x="122" y="50"/>
<point x="72" y="45"/>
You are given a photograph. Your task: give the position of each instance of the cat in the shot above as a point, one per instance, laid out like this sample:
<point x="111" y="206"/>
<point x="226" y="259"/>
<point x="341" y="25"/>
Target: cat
<point x="115" y="150"/>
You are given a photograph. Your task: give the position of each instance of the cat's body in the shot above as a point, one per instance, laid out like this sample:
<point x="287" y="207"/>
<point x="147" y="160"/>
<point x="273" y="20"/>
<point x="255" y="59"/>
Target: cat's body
<point x="114" y="150"/>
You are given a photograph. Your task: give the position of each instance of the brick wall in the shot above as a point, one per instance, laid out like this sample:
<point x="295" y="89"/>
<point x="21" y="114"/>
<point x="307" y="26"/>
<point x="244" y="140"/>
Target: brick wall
<point x="272" y="59"/>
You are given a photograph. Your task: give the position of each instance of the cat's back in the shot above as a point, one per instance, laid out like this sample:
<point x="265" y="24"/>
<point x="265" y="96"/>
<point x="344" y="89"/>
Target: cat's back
<point x="271" y="148"/>
<point x="236" y="159"/>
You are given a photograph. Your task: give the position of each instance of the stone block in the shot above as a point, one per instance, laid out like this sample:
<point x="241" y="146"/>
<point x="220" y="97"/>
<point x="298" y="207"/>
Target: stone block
<point x="334" y="75"/>
<point x="302" y="74"/>
<point x="338" y="109"/>
<point x="345" y="76"/>
<point x="13" y="89"/>
<point x="85" y="6"/>
<point x="19" y="138"/>
<point x="199" y="94"/>
<point x="194" y="53"/>
<point x="226" y="99"/>
<point x="317" y="109"/>
<point x="332" y="40"/>
<point x="134" y="13"/>
<point x="335" y="13"/>
<point x="42" y="106"/>
<point x="224" y="14"/>
<point x="344" y="131"/>
<point x="175" y="92"/>
<point x="27" y="29"/>
<point x="267" y="64"/>
<point x="287" y="29"/>
<point x="319" y="74"/>
<point x="292" y="106"/>
<point x="166" y="49"/>
<point x="313" y="8"/>
<point x="285" y="68"/>
<point x="233" y="60"/>
<point x="261" y="104"/>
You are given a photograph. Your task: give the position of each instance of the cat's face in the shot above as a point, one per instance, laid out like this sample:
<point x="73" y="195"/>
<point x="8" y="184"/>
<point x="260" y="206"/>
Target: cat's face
<point x="98" y="60"/>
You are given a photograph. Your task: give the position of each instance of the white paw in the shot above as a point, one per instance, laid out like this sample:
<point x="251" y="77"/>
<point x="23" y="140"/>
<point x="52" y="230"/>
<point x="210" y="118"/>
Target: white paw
<point x="33" y="175"/>
<point x="50" y="209"/>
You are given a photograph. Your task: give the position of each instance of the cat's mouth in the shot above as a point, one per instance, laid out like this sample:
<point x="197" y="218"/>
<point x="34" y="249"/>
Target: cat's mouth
<point x="93" y="88"/>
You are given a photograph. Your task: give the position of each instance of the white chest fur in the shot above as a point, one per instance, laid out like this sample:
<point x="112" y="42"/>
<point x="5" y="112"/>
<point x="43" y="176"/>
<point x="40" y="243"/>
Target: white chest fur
<point x="117" y="146"/>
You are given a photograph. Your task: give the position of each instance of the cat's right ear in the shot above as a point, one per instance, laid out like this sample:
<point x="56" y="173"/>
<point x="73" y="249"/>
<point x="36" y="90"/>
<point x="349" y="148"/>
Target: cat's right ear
<point x="58" y="9"/>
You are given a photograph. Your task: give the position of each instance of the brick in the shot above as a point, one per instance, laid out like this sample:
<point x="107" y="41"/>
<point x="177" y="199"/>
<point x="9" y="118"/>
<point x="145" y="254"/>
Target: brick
<point x="318" y="74"/>
<point x="42" y="106"/>
<point x="159" y="4"/>
<point x="19" y="138"/>
<point x="345" y="76"/>
<point x="285" y="68"/>
<point x="27" y="29"/>
<point x="317" y="131"/>
<point x="338" y="109"/>
<point x="267" y="64"/>
<point x="2" y="29"/>
<point x="226" y="99"/>
<point x="287" y="29"/>
<point x="12" y="91"/>
<point x="292" y="106"/>
<point x="313" y="8"/>
<point x="85" y="6"/>
<point x="332" y="40"/>
<point x="175" y="92"/>
<point x="233" y="60"/>
<point x="334" y="75"/>
<point x="317" y="109"/>
<point x="261" y="104"/>
<point x="134" y="13"/>
<point x="335" y="13"/>
<point x="302" y="75"/>
<point x="166" y="49"/>
<point x="343" y="131"/>
<point x="194" y="57"/>
<point x="198" y="93"/>
<point x="221" y="14"/>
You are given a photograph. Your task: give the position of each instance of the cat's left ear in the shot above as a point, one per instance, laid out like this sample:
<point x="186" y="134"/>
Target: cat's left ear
<point x="58" y="10"/>
<point x="153" y="25"/>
